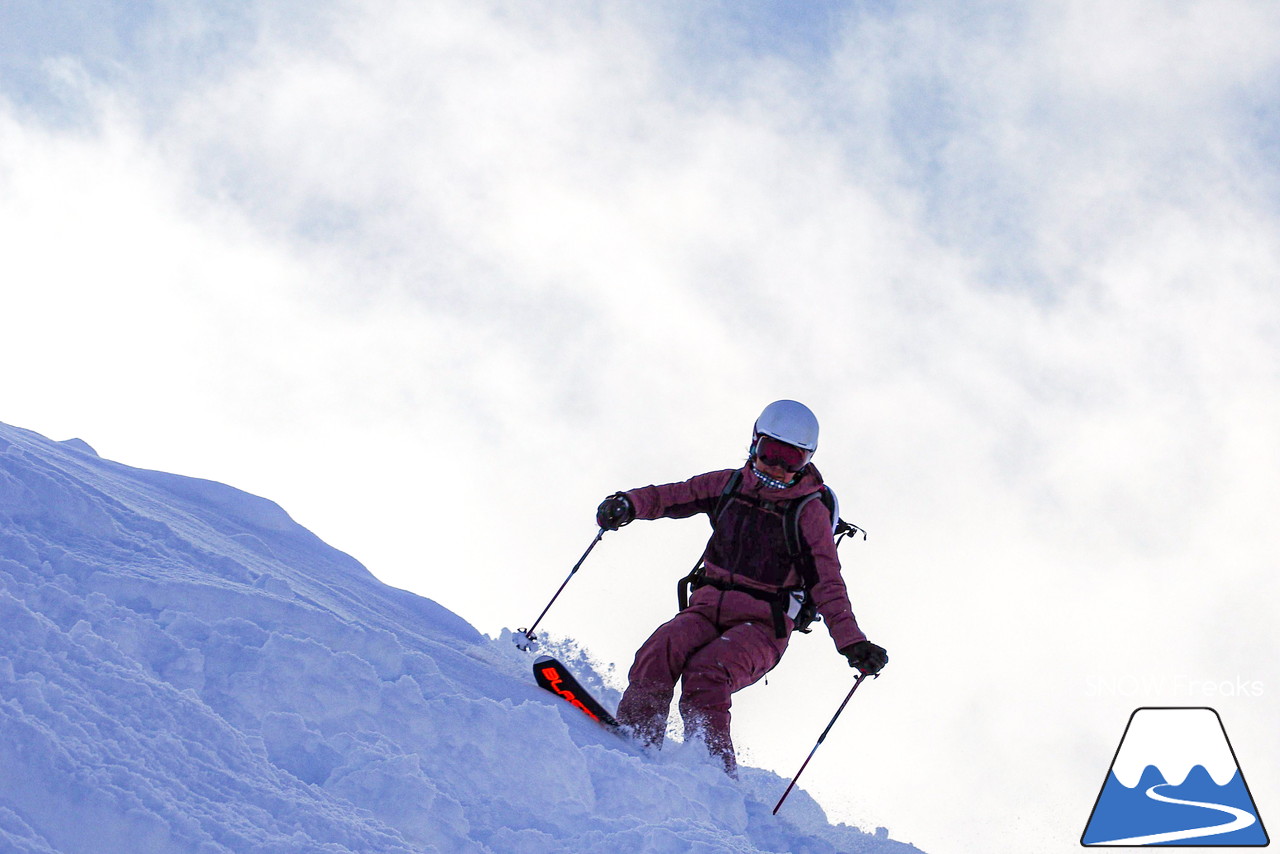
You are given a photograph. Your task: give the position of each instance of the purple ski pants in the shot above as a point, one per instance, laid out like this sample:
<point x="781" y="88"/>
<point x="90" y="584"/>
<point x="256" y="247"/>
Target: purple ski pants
<point x="715" y="652"/>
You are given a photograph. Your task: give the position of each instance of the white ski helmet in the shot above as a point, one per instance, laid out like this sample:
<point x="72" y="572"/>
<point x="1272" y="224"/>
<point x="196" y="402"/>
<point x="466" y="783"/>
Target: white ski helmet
<point x="790" y="422"/>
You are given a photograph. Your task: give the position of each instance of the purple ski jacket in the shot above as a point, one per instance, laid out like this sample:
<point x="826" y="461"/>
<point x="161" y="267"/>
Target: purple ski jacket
<point x="753" y="563"/>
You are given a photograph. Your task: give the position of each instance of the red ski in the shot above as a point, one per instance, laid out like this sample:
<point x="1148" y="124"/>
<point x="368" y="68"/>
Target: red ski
<point x="553" y="676"/>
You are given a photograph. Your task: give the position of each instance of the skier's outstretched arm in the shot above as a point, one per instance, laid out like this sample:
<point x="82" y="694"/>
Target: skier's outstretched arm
<point x="698" y="494"/>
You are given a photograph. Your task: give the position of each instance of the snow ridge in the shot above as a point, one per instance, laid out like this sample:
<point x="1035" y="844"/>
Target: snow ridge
<point x="183" y="668"/>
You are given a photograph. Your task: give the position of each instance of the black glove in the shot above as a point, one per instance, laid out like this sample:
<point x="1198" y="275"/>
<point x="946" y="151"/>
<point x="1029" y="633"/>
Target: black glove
<point x="614" y="512"/>
<point x="866" y="656"/>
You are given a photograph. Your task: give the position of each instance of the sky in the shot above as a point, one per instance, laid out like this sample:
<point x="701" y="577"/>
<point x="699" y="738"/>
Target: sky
<point x="487" y="263"/>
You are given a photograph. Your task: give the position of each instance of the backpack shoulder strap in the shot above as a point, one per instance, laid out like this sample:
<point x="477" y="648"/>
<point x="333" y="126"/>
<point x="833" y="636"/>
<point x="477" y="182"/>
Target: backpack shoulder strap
<point x="839" y="529"/>
<point x="730" y="487"/>
<point x="685" y="584"/>
<point x="800" y="554"/>
<point x="795" y="542"/>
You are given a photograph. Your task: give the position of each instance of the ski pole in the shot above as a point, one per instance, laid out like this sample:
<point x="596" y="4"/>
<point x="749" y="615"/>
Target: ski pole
<point x="529" y="636"/>
<point x="847" y="698"/>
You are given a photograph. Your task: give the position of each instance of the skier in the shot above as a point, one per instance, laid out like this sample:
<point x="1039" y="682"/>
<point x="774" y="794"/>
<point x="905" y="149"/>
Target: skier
<point x="746" y="595"/>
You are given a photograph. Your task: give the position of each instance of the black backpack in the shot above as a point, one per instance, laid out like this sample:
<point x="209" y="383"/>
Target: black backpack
<point x="800" y="556"/>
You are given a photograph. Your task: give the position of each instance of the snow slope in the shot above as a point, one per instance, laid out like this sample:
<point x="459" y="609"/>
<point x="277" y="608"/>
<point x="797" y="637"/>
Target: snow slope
<point x="183" y="668"/>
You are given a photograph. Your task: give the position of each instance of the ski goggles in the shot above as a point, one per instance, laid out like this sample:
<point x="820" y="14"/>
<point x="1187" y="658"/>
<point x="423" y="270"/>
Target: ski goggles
<point x="774" y="452"/>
